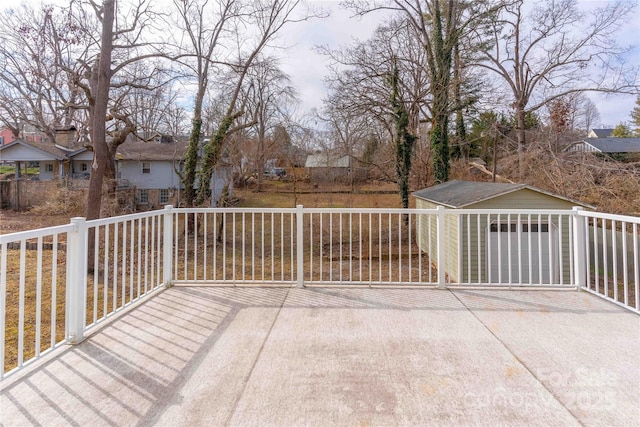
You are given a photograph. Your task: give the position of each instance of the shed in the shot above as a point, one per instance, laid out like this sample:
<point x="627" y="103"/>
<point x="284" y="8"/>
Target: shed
<point x="485" y="248"/>
<point x="333" y="166"/>
<point x="327" y="166"/>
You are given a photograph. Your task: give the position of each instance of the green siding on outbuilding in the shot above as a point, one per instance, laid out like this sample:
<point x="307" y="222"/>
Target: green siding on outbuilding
<point x="429" y="240"/>
<point x="466" y="248"/>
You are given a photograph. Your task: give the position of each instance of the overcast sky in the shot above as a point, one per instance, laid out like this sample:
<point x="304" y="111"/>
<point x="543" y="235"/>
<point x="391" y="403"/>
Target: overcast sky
<point x="307" y="68"/>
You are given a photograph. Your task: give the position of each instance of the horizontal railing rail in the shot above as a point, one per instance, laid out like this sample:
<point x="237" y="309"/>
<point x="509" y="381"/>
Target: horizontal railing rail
<point x="57" y="283"/>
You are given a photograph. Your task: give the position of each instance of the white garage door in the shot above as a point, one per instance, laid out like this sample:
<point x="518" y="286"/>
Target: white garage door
<point x="523" y="253"/>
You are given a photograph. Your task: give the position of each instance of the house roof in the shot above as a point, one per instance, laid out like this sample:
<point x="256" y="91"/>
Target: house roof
<point x="130" y="150"/>
<point x="614" y="145"/>
<point x="46" y="148"/>
<point x="460" y="194"/>
<point x="140" y="150"/>
<point x="600" y="133"/>
<point x="324" y="160"/>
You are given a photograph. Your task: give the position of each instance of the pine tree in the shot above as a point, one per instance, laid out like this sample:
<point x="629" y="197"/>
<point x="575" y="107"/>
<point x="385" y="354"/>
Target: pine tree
<point x="621" y="131"/>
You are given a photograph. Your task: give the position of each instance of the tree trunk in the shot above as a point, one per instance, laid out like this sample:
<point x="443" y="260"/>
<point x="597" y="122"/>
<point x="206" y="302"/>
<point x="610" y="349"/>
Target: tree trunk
<point x="520" y="135"/>
<point x="261" y="154"/>
<point x="461" y="132"/>
<point x="191" y="157"/>
<point x="440" y="145"/>
<point x="98" y="134"/>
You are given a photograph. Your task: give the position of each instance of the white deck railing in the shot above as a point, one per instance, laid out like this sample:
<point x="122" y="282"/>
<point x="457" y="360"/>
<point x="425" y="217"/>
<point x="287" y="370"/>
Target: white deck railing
<point x="56" y="283"/>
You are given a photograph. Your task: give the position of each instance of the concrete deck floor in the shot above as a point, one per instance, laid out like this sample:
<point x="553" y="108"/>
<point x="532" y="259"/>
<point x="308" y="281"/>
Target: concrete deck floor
<point x="290" y="357"/>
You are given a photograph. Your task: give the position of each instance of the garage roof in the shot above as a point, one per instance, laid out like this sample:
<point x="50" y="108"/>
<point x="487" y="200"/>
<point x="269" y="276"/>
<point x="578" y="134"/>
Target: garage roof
<point x="460" y="194"/>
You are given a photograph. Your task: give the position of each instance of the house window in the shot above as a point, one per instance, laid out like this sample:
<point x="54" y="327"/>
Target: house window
<point x="84" y="167"/>
<point x="146" y="167"/>
<point x="163" y="197"/>
<point x="143" y="197"/>
<point x="48" y="167"/>
<point x="1" y="140"/>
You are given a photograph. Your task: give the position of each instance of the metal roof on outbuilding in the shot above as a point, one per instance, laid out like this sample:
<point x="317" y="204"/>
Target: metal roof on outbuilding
<point x="460" y="194"/>
<point x="614" y="145"/>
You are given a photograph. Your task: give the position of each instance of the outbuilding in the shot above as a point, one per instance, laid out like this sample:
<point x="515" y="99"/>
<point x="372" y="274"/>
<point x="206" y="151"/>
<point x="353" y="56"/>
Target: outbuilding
<point x="497" y="247"/>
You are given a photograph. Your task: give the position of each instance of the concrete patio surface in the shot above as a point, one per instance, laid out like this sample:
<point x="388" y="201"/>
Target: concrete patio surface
<point x="212" y="356"/>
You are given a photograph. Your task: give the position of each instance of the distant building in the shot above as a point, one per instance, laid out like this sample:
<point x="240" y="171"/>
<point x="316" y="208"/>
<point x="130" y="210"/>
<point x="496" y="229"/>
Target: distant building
<point x="599" y="133"/>
<point x="6" y="136"/>
<point x="331" y="166"/>
<point x="150" y="168"/>
<point x="606" y="146"/>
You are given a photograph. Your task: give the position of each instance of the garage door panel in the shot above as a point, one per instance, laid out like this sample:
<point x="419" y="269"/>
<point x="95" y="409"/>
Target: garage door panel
<point x="524" y="252"/>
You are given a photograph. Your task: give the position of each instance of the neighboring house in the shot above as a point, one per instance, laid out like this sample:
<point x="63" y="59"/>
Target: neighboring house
<point x="52" y="159"/>
<point x="6" y="136"/>
<point x="80" y="163"/>
<point x="30" y="133"/>
<point x="151" y="168"/>
<point x="471" y="243"/>
<point x="599" y="133"/>
<point x="330" y="166"/>
<point x="606" y="145"/>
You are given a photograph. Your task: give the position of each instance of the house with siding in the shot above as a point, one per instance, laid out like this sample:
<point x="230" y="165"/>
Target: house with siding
<point x="600" y="133"/>
<point x="53" y="160"/>
<point x="474" y="243"/>
<point x="150" y="168"/>
<point x="615" y="146"/>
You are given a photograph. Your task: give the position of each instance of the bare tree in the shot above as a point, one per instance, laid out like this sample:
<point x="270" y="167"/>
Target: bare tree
<point x="268" y="96"/>
<point x="34" y="90"/>
<point x="98" y="96"/>
<point x="111" y="65"/>
<point x="554" y="50"/>
<point x="267" y="18"/>
<point x="360" y="74"/>
<point x="404" y="141"/>
<point x="573" y="112"/>
<point x="206" y="25"/>
<point x="361" y="83"/>
<point x="439" y="25"/>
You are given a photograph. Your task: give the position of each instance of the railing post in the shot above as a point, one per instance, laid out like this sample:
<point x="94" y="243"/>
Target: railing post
<point x="167" y="247"/>
<point x="579" y="248"/>
<point x="76" y="280"/>
<point x="441" y="247"/>
<point x="299" y="247"/>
